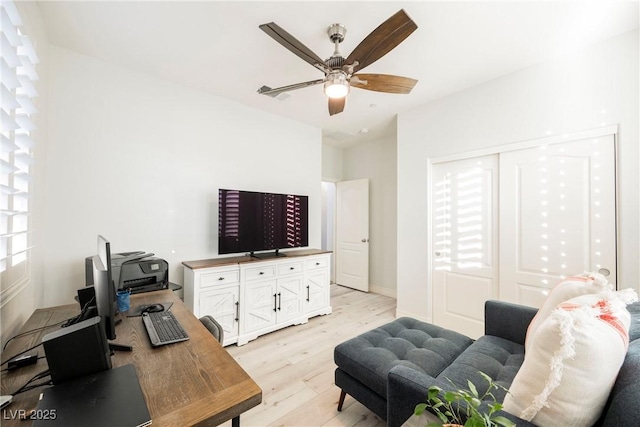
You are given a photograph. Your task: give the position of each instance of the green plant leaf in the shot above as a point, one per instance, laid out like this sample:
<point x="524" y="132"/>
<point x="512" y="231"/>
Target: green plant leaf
<point x="433" y="392"/>
<point x="486" y="377"/>
<point x="472" y="389"/>
<point x="443" y="417"/>
<point x="420" y="408"/>
<point x="456" y="405"/>
<point x="451" y="396"/>
<point x="474" y="422"/>
<point x="437" y="405"/>
<point x="504" y="422"/>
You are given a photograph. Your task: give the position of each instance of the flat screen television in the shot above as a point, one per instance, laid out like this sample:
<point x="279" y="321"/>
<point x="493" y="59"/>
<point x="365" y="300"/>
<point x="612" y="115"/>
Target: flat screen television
<point x="251" y="221"/>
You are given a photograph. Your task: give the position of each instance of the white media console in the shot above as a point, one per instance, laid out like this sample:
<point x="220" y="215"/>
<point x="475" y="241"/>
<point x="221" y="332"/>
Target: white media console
<point x="250" y="297"/>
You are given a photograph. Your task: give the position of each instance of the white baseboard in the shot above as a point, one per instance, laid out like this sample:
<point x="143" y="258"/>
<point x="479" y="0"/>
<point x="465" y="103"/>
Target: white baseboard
<point x="401" y="313"/>
<point x="383" y="291"/>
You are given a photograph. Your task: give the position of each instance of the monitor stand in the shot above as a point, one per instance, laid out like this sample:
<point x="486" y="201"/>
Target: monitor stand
<point x="267" y="255"/>
<point x="119" y="347"/>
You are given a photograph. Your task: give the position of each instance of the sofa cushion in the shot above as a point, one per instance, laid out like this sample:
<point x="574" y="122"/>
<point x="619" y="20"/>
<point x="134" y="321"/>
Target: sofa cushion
<point x="499" y="358"/>
<point x="572" y="363"/>
<point x="622" y="406"/>
<point x="634" y="329"/>
<point x="427" y="348"/>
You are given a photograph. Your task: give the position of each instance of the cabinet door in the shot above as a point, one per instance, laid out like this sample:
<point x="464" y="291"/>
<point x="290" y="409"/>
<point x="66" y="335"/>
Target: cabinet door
<point x="222" y="304"/>
<point x="289" y="298"/>
<point x="259" y="305"/>
<point x="317" y="290"/>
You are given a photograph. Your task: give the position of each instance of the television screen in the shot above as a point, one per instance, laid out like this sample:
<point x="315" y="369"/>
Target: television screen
<point x="250" y="221"/>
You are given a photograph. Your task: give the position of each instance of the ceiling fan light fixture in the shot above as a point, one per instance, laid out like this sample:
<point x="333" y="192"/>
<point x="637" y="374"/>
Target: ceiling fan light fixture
<point x="336" y="85"/>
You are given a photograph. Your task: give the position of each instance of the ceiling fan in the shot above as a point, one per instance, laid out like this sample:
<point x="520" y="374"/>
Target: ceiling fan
<point x="339" y="73"/>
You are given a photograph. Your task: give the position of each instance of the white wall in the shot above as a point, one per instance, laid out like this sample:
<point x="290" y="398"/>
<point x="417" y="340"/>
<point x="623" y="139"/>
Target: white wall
<point x="331" y="163"/>
<point x="140" y="160"/>
<point x="329" y="222"/>
<point x="376" y="160"/>
<point x="599" y="86"/>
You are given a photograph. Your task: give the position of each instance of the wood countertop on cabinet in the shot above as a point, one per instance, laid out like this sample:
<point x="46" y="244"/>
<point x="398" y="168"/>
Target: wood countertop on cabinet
<point x="235" y="260"/>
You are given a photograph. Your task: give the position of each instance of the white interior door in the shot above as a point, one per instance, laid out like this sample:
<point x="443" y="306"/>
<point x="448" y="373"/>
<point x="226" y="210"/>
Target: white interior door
<point x="464" y="233"/>
<point x="352" y="234"/>
<point x="557" y="216"/>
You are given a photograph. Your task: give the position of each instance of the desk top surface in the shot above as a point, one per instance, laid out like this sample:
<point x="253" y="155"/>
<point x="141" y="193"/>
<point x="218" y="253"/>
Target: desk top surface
<point x="192" y="382"/>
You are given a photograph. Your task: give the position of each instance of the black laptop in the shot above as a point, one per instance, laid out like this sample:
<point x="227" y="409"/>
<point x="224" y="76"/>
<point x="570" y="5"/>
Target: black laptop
<point x="108" y="398"/>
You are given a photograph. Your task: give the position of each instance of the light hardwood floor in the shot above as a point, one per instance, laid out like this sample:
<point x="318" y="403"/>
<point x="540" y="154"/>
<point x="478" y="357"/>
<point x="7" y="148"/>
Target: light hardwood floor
<point x="294" y="366"/>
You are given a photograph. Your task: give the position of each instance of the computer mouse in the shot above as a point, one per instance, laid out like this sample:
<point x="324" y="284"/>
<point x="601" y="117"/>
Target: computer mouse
<point x="153" y="308"/>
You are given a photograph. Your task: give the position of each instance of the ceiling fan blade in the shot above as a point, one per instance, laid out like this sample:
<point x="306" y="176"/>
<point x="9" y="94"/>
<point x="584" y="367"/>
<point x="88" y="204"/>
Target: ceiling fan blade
<point x="383" y="83"/>
<point x="336" y="105"/>
<point x="381" y="40"/>
<point x="266" y="90"/>
<point x="294" y="45"/>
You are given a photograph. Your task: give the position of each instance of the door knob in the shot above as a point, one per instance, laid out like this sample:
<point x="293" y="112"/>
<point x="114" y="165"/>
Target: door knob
<point x="365" y="240"/>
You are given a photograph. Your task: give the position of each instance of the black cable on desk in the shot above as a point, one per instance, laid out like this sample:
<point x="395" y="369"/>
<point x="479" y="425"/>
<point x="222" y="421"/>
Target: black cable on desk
<point x="21" y="334"/>
<point x="64" y="323"/>
<point x="36" y="377"/>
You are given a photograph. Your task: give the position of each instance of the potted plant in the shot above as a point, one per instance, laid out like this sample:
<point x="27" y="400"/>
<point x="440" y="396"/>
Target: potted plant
<point x="464" y="407"/>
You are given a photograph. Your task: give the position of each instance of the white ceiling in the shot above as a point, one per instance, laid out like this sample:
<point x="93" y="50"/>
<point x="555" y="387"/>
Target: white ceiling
<point x="217" y="47"/>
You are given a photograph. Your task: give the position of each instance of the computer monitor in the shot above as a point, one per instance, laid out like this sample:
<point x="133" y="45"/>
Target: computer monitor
<point x="105" y="290"/>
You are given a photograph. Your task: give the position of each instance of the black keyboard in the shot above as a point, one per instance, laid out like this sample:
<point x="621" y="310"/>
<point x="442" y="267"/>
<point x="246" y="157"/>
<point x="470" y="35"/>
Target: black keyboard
<point x="163" y="328"/>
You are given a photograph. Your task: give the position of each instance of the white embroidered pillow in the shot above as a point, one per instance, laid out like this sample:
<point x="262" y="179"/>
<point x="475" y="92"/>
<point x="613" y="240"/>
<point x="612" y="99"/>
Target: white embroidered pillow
<point x="586" y="283"/>
<point x="573" y="361"/>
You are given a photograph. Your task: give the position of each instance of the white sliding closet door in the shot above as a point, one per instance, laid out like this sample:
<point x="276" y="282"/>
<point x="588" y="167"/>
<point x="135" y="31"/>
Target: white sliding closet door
<point x="511" y="225"/>
<point x="464" y="236"/>
<point x="557" y="216"/>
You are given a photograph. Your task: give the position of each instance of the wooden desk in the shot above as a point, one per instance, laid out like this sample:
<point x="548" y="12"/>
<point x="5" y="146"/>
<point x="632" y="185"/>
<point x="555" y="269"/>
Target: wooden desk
<point x="192" y="382"/>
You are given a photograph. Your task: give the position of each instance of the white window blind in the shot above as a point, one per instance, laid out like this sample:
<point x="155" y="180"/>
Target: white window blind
<point x="17" y="92"/>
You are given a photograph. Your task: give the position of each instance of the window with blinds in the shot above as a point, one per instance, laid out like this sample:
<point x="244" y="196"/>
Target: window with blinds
<point x="18" y="74"/>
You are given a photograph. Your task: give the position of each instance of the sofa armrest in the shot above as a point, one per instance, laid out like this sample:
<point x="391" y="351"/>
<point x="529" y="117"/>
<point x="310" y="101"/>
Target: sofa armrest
<point x="507" y="320"/>
<point x="406" y="387"/>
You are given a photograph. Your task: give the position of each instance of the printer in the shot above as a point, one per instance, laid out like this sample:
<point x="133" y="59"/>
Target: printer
<point x="137" y="271"/>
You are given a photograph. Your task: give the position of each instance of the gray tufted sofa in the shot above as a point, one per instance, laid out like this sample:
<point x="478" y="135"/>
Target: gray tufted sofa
<point x="389" y="369"/>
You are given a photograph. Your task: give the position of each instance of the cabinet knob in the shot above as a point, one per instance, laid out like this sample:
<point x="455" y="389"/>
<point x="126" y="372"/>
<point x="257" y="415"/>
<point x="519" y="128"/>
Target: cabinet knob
<point x="220" y="278"/>
<point x="292" y="268"/>
<point x="261" y="273"/>
<point x="317" y="263"/>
